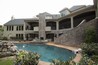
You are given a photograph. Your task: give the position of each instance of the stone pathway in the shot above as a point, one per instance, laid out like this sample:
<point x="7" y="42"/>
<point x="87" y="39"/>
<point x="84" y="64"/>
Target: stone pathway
<point x="77" y="58"/>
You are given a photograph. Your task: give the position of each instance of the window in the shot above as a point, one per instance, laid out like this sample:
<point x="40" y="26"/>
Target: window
<point x="12" y="28"/>
<point x="62" y="14"/>
<point x="16" y="35"/>
<point x="22" y="27"/>
<point x="19" y="28"/>
<point x="7" y="28"/>
<point x="19" y="36"/>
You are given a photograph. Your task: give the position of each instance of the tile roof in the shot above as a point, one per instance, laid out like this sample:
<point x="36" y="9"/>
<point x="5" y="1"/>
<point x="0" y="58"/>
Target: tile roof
<point x="15" y="22"/>
<point x="76" y="7"/>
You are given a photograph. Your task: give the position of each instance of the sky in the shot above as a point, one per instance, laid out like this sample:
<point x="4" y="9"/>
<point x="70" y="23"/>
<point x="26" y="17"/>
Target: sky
<point x="30" y="8"/>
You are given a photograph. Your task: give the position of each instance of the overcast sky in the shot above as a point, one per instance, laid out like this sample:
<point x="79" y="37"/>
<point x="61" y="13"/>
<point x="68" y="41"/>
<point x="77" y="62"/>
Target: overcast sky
<point x="30" y="8"/>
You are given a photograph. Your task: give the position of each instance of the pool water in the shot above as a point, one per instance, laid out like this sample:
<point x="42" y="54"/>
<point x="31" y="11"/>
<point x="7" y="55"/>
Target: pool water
<point x="48" y="53"/>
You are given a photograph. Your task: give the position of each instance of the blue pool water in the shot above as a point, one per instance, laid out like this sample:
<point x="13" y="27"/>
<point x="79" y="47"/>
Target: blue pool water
<point x="48" y="53"/>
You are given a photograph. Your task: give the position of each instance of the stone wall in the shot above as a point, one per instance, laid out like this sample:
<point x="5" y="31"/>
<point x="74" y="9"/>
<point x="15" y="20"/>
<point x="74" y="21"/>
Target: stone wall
<point x="75" y="36"/>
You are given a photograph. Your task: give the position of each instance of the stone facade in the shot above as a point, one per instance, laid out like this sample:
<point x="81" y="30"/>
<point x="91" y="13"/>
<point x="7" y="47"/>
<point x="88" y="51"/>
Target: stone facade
<point x="11" y="33"/>
<point x="76" y="35"/>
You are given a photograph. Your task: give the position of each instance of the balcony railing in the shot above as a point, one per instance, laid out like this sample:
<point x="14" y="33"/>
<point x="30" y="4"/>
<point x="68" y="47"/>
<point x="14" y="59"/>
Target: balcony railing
<point x="36" y="28"/>
<point x="29" y="31"/>
<point x="47" y="28"/>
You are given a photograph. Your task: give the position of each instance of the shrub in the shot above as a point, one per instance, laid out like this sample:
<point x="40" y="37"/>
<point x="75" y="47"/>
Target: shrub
<point x="91" y="51"/>
<point x="90" y="35"/>
<point x="87" y="61"/>
<point x="3" y="38"/>
<point x="27" y="58"/>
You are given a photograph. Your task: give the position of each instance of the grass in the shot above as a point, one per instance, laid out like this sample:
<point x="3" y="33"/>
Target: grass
<point x="6" y="61"/>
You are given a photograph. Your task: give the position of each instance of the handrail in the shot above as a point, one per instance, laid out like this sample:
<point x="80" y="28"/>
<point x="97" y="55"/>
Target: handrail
<point x="81" y="22"/>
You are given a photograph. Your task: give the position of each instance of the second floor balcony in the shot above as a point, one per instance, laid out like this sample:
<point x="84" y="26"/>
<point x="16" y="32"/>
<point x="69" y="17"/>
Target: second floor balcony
<point x="32" y="30"/>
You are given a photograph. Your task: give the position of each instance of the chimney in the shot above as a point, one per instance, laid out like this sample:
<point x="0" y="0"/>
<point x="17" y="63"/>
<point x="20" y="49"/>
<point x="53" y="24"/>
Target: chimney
<point x="12" y="18"/>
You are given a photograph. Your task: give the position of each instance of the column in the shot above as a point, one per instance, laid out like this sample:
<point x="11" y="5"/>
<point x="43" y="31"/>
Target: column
<point x="97" y="9"/>
<point x="57" y="28"/>
<point x="72" y="22"/>
<point x="24" y="34"/>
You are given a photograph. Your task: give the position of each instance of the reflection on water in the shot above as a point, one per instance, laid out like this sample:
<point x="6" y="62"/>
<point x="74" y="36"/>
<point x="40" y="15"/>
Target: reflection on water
<point x="47" y="52"/>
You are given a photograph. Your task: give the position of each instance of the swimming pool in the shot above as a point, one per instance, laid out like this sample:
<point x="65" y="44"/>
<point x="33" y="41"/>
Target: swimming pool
<point x="48" y="53"/>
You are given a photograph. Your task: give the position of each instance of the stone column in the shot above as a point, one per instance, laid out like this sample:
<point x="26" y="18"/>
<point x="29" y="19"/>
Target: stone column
<point x="72" y="22"/>
<point x="42" y="25"/>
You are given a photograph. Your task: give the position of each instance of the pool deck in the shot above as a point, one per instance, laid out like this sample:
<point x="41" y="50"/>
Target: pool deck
<point x="76" y="59"/>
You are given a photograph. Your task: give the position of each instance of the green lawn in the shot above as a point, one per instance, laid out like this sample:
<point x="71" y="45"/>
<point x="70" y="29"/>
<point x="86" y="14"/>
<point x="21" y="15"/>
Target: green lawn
<point x="6" y="62"/>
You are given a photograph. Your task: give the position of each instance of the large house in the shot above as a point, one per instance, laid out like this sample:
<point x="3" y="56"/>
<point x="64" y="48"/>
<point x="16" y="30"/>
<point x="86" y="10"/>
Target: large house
<point x="42" y="27"/>
<point x="48" y="26"/>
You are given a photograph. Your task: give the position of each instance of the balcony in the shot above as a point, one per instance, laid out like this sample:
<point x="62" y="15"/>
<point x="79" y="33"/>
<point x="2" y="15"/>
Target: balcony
<point x="32" y="30"/>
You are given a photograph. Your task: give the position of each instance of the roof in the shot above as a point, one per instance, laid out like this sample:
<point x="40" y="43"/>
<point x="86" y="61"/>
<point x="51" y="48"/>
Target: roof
<point x="15" y="22"/>
<point x="73" y="8"/>
<point x="77" y="12"/>
<point x="44" y="13"/>
<point x="76" y="7"/>
<point x="64" y="9"/>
